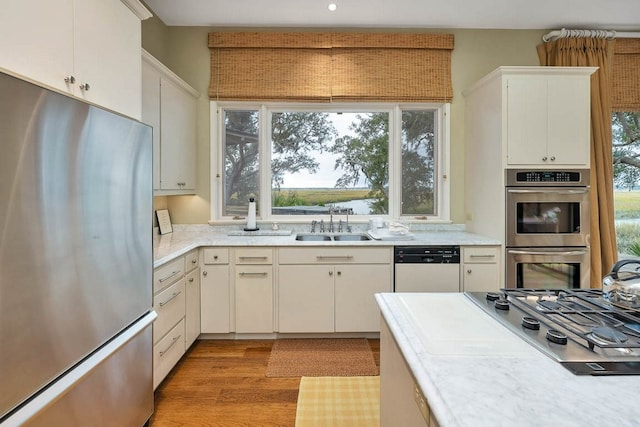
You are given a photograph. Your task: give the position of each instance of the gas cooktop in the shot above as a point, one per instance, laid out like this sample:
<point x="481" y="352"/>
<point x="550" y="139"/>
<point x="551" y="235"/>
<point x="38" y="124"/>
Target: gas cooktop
<point x="579" y="328"/>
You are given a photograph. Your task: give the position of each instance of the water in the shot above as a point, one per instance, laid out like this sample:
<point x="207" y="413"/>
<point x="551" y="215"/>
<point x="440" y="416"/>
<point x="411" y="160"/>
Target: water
<point x="358" y="207"/>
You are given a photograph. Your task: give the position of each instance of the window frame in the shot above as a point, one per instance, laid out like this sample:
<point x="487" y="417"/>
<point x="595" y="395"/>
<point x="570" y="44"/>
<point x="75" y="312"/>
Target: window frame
<point x="442" y="148"/>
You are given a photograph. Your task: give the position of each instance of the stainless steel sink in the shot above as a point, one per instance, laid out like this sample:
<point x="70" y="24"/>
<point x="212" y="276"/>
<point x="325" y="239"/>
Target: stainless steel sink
<point x="328" y="237"/>
<point x="351" y="237"/>
<point x="313" y="237"/>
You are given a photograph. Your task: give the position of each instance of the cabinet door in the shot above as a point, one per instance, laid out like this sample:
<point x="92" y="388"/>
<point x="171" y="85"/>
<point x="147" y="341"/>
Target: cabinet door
<point x="151" y="113"/>
<point x="107" y="40"/>
<point x="214" y="302"/>
<point x="254" y="298"/>
<point x="569" y="120"/>
<point x="480" y="278"/>
<point x="305" y="298"/>
<point x="355" y="285"/>
<point x="178" y="148"/>
<point x="526" y="120"/>
<point x="36" y="40"/>
<point x="192" y="313"/>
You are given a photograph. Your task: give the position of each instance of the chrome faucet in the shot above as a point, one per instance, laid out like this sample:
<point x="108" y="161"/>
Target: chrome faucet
<point x="313" y="226"/>
<point x="331" y="219"/>
<point x="340" y="226"/>
<point x="322" y="225"/>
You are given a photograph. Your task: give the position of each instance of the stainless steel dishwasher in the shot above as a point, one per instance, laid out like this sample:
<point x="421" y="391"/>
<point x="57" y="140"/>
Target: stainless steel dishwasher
<point x="427" y="268"/>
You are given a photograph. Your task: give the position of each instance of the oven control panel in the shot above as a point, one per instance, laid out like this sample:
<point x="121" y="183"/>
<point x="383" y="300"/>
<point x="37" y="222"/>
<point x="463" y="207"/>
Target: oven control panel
<point x="519" y="177"/>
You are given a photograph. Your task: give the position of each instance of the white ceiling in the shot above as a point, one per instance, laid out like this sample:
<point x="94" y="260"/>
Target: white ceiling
<point x="620" y="15"/>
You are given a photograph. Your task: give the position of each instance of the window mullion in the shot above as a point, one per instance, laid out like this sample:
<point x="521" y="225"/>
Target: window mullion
<point x="265" y="162"/>
<point x="395" y="162"/>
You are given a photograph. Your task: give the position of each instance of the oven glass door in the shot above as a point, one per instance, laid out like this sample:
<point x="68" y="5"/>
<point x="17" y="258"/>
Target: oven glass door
<point x="547" y="217"/>
<point x="548" y="268"/>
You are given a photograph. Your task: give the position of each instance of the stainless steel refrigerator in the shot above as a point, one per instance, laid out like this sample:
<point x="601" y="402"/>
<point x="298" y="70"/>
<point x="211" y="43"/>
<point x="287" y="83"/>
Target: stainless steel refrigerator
<point x="76" y="262"/>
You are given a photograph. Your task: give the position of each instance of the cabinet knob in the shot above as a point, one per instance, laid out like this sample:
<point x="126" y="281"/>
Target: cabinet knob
<point x="544" y="159"/>
<point x="553" y="158"/>
<point x="193" y="261"/>
<point x="204" y="273"/>
<point x="215" y="257"/>
<point x="190" y="279"/>
<point x="70" y="79"/>
<point x="469" y="271"/>
<point x="331" y="273"/>
<point x="85" y="87"/>
<point x="339" y="273"/>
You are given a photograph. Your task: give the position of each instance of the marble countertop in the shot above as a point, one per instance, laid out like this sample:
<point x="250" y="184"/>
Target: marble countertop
<point x="186" y="238"/>
<point x="473" y="371"/>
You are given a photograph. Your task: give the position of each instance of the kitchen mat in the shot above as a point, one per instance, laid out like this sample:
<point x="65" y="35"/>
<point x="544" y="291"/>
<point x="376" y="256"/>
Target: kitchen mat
<point x="322" y="357"/>
<point x="338" y="401"/>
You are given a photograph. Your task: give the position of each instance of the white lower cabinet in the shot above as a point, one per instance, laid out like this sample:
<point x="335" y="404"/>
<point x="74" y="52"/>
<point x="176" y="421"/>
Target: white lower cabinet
<point x="253" y="290"/>
<point x="167" y="352"/>
<point x="356" y="309"/>
<point x="214" y="291"/>
<point x="192" y="304"/>
<point x="305" y="298"/>
<point x="325" y="289"/>
<point x="480" y="269"/>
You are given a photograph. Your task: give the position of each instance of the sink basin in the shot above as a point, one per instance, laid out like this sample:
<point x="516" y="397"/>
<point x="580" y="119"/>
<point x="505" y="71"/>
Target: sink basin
<point x="313" y="237"/>
<point x="351" y="237"/>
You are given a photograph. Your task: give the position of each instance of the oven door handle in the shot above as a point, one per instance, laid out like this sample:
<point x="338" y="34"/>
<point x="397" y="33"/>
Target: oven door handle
<point x="521" y="252"/>
<point x="542" y="191"/>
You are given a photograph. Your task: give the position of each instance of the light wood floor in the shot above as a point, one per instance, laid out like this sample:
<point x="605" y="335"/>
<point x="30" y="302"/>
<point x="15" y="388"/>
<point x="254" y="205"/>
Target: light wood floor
<point x="223" y="383"/>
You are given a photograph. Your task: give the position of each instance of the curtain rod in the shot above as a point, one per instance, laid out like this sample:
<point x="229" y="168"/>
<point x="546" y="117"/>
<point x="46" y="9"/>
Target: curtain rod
<point x="598" y="34"/>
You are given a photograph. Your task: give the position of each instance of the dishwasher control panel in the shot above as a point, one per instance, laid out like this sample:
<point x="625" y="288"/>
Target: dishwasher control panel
<point x="427" y="254"/>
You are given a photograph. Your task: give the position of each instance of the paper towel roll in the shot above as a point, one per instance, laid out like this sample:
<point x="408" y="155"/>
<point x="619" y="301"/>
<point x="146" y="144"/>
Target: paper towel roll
<point x="251" y="216"/>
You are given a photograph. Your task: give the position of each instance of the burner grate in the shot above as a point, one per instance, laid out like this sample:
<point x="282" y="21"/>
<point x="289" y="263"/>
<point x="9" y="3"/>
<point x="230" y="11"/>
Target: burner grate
<point x="584" y="313"/>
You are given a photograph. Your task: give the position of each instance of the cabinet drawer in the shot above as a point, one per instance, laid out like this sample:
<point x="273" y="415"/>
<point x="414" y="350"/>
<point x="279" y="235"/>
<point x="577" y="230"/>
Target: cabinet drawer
<point x="215" y="256"/>
<point x="167" y="352"/>
<point x="190" y="261"/>
<point x="324" y="255"/>
<point x="170" y="306"/>
<point x="480" y="254"/>
<point x="254" y="256"/>
<point x="167" y="274"/>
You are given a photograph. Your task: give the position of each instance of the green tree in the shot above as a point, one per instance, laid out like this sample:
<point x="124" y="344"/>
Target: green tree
<point x="366" y="155"/>
<point x="418" y="160"/>
<point x="626" y="149"/>
<point x="241" y="156"/>
<point x="296" y="137"/>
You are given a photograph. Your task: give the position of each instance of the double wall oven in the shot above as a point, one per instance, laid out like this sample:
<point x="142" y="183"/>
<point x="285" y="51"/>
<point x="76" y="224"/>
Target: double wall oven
<point x="547" y="228"/>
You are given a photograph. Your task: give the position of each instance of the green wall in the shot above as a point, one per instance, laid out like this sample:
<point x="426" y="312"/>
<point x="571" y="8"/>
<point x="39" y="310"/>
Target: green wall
<point x="477" y="52"/>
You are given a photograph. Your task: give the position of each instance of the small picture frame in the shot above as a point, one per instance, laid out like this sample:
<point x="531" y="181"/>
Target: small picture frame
<point x="164" y="221"/>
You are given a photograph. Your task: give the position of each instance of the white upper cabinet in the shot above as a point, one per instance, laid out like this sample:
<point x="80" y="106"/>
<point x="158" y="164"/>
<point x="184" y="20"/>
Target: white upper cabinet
<point x="169" y="106"/>
<point x="88" y="48"/>
<point x="548" y="120"/>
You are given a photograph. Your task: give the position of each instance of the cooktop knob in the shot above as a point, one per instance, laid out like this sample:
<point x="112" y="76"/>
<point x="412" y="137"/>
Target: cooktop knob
<point x="531" y="323"/>
<point x="502" y="304"/>
<point x="492" y="296"/>
<point x="556" y="337"/>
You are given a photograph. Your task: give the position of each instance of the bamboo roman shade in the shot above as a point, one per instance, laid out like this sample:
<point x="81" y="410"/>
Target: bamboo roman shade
<point x="626" y="75"/>
<point x="326" y="67"/>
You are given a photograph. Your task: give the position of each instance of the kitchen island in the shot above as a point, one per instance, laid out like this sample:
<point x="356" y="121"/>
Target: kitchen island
<point x="469" y="370"/>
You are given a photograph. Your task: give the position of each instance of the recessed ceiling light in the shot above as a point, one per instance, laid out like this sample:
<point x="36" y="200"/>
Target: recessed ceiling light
<point x="332" y="7"/>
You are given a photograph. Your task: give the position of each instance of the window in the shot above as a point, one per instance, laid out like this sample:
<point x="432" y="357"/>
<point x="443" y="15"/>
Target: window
<point x="626" y="180"/>
<point x="299" y="160"/>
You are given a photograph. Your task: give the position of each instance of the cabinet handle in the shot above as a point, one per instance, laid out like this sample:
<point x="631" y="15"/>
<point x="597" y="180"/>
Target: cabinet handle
<point x="173" y="273"/>
<point x="329" y="257"/>
<point x="204" y="273"/>
<point x="173" y="342"/>
<point x="70" y="79"/>
<point x="482" y="256"/>
<point x="175" y="294"/>
<point x="181" y="184"/>
<point x="253" y="257"/>
<point x="85" y="87"/>
<point x="253" y="274"/>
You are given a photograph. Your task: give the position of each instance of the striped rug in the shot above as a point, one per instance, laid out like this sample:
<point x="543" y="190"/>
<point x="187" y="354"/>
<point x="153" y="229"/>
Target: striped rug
<point x="338" y="401"/>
